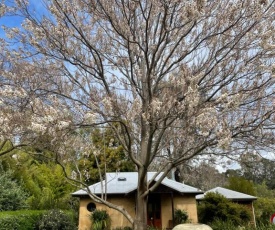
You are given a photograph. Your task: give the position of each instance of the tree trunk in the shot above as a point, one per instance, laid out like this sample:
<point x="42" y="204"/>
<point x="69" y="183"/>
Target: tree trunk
<point x="140" y="222"/>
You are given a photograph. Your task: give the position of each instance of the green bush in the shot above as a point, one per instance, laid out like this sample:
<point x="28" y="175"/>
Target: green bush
<point x="36" y="220"/>
<point x="123" y="228"/>
<point x="56" y="220"/>
<point x="180" y="216"/>
<point x="19" y="220"/>
<point x="12" y="195"/>
<point x="9" y="222"/>
<point x="217" y="207"/>
<point x="267" y="226"/>
<point x="228" y="225"/>
<point x="221" y="225"/>
<point x="100" y="220"/>
<point x="264" y="208"/>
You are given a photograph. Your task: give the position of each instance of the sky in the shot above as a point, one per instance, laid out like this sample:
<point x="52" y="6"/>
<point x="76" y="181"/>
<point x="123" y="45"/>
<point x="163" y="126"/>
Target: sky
<point x="9" y="22"/>
<point x="15" y="21"/>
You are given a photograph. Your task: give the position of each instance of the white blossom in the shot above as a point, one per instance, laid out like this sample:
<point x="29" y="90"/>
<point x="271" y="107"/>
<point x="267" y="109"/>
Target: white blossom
<point x="90" y="117"/>
<point x="37" y="127"/>
<point x="172" y="79"/>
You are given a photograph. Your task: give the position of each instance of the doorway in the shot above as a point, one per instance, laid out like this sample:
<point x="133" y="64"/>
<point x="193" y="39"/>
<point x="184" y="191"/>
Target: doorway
<point x="154" y="211"/>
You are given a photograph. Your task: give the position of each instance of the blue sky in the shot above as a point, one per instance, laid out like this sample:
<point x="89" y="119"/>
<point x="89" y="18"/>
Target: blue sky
<point x="9" y="21"/>
<point x="15" y="21"/>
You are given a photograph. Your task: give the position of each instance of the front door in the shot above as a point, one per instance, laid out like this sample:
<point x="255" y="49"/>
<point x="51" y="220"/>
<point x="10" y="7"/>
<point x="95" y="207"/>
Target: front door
<point x="154" y="211"/>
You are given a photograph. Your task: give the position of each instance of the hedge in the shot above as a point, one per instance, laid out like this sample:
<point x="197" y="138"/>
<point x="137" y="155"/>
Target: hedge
<point x="35" y="220"/>
<point x="20" y="220"/>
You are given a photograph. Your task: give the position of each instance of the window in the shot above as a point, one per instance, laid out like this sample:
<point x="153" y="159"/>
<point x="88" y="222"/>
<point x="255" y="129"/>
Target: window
<point x="91" y="207"/>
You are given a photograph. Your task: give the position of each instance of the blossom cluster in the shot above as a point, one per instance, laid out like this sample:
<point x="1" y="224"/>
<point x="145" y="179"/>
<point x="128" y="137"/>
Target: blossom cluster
<point x="179" y="75"/>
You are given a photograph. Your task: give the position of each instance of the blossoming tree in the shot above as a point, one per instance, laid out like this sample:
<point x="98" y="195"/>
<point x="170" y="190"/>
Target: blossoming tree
<point x="174" y="79"/>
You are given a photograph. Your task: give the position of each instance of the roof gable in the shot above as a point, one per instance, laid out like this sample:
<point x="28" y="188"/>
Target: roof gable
<point x="126" y="182"/>
<point x="229" y="194"/>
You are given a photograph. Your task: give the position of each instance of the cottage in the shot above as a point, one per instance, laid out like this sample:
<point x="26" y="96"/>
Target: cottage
<point x="121" y="189"/>
<point x="237" y="197"/>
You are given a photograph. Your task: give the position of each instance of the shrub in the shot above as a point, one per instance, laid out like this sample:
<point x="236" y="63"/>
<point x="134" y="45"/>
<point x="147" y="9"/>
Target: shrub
<point x="12" y="195"/>
<point x="9" y="222"/>
<point x="217" y="207"/>
<point x="228" y="225"/>
<point x="264" y="208"/>
<point x="222" y="225"/>
<point x="22" y="219"/>
<point x="123" y="228"/>
<point x="36" y="220"/>
<point x="267" y="226"/>
<point x="100" y="220"/>
<point x="180" y="216"/>
<point x="56" y="220"/>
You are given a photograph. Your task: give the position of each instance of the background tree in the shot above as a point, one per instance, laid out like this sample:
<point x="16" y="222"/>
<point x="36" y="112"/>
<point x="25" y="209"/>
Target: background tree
<point x="12" y="194"/>
<point x="203" y="175"/>
<point x="172" y="79"/>
<point x="258" y="169"/>
<point x="107" y="155"/>
<point x="263" y="191"/>
<point x="240" y="184"/>
<point x="45" y="183"/>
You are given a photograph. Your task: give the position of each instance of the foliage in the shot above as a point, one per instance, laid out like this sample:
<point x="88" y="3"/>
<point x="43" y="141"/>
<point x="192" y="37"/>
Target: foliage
<point x="23" y="219"/>
<point x="37" y="219"/>
<point x="218" y="224"/>
<point x="228" y="225"/>
<point x="49" y="180"/>
<point x="217" y="207"/>
<point x="12" y="194"/>
<point x="264" y="209"/>
<point x="258" y="169"/>
<point x="107" y="154"/>
<point x="241" y="184"/>
<point x="123" y="228"/>
<point x="149" y="227"/>
<point x="100" y="220"/>
<point x="263" y="191"/>
<point x="43" y="180"/>
<point x="262" y="226"/>
<point x="180" y="216"/>
<point x="203" y="175"/>
<point x="56" y="220"/>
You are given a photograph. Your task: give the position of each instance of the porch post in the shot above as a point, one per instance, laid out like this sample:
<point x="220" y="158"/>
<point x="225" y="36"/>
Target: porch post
<point x="253" y="211"/>
<point x="172" y="204"/>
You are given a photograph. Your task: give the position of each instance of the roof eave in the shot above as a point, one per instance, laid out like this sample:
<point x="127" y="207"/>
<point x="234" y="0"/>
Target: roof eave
<point x="242" y="199"/>
<point x="196" y="193"/>
<point x="233" y="199"/>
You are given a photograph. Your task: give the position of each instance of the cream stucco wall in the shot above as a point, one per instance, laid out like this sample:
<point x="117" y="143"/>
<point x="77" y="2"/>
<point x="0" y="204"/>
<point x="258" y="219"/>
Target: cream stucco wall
<point x="188" y="203"/>
<point x="185" y="202"/>
<point x="117" y="219"/>
<point x="182" y="202"/>
<point x="84" y="215"/>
